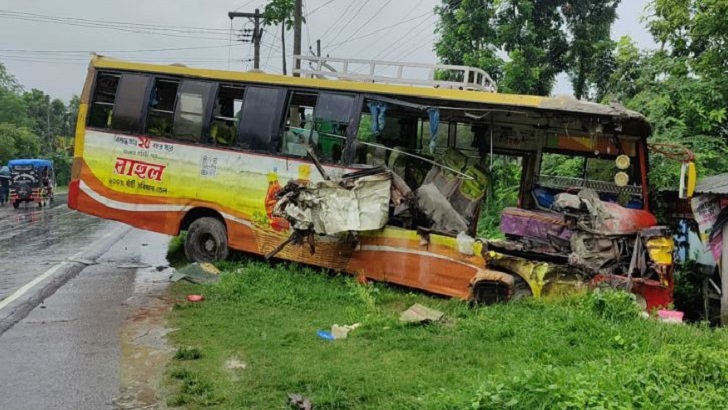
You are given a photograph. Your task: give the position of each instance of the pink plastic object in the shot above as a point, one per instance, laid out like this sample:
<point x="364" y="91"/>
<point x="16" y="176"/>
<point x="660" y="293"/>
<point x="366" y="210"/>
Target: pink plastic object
<point x="195" y="298"/>
<point x="671" y="316"/>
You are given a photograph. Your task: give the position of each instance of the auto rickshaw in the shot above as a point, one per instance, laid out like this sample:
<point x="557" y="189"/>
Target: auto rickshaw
<point x="32" y="180"/>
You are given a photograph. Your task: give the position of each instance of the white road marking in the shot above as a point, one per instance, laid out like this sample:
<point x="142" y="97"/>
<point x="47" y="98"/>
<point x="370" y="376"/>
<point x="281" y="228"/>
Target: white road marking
<point x="28" y="286"/>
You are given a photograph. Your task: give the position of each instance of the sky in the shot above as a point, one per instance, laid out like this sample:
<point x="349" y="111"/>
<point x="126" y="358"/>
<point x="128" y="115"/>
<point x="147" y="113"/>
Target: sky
<point x="46" y="43"/>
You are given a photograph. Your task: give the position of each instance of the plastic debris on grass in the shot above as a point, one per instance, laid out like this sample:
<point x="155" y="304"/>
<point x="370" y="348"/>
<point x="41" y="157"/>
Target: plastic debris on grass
<point x="297" y="401"/>
<point x="199" y="273"/>
<point x="420" y="314"/>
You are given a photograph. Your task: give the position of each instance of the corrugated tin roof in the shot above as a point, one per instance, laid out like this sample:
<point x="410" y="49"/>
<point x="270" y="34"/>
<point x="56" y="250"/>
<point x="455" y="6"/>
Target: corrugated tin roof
<point x="717" y="184"/>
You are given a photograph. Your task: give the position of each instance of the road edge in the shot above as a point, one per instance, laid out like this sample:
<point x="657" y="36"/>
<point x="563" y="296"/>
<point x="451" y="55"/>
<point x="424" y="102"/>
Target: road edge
<point x="60" y="274"/>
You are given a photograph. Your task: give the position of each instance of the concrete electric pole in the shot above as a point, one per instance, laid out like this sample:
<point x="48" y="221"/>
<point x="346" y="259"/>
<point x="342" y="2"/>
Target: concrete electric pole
<point x="257" y="33"/>
<point x="297" y="17"/>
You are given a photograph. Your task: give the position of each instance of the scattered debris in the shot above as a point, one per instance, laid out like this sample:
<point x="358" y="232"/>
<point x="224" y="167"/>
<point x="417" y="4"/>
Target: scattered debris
<point x="670" y="316"/>
<point x="134" y="266"/>
<point x="325" y="334"/>
<point x="86" y="262"/>
<point x="195" y="298"/>
<point x="420" y="314"/>
<point x="198" y="273"/>
<point x="235" y="364"/>
<point x="341" y="332"/>
<point x="297" y="401"/>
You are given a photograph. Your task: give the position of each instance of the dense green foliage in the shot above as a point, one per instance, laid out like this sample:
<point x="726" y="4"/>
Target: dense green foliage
<point x="540" y="38"/>
<point x="587" y="352"/>
<point x="682" y="87"/>
<point x="32" y="125"/>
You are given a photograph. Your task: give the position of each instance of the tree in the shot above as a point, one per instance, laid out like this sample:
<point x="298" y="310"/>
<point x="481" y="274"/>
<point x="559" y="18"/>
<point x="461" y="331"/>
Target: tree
<point x="683" y="108"/>
<point x="17" y="142"/>
<point x="12" y="106"/>
<point x="590" y="53"/>
<point x="525" y="44"/>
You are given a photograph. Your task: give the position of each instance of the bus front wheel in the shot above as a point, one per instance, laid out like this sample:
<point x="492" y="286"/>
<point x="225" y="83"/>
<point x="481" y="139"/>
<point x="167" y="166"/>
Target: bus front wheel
<point x="206" y="240"/>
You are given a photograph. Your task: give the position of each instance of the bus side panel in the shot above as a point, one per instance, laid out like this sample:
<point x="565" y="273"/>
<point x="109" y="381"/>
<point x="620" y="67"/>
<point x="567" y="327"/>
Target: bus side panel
<point x="398" y="256"/>
<point x="152" y="183"/>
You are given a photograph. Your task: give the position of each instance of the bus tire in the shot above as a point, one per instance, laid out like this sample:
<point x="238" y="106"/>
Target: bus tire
<point x="206" y="240"/>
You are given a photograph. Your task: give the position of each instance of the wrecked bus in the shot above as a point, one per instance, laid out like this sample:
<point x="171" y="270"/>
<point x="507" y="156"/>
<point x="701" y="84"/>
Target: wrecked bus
<point x="381" y="180"/>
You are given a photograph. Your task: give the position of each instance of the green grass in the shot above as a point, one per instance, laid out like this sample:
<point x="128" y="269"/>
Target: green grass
<point x="588" y="352"/>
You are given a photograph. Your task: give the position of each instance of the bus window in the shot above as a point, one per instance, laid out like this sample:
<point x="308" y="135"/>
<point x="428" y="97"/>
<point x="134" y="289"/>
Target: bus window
<point x="161" y="107"/>
<point x="426" y="137"/>
<point x="103" y="100"/>
<point x="562" y="165"/>
<point x="261" y="118"/>
<point x="331" y="120"/>
<point x="299" y="124"/>
<point x="225" y="115"/>
<point x="189" y="118"/>
<point x="129" y="103"/>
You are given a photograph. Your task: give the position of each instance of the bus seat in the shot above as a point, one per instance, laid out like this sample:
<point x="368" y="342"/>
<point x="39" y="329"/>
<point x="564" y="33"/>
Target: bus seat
<point x="376" y="155"/>
<point x="398" y="161"/>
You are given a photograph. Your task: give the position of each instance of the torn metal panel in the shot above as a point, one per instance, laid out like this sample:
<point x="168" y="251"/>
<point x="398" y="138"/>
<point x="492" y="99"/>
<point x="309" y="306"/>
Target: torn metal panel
<point x="438" y="209"/>
<point x="331" y="207"/>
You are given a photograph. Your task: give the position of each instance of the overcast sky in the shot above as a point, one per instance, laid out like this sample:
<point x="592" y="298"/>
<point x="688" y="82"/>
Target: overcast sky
<point x="52" y="56"/>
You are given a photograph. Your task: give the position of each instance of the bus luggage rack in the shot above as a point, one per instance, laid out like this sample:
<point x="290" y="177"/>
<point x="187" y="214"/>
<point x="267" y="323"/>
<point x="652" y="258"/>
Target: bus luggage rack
<point x="451" y="76"/>
<point x="548" y="181"/>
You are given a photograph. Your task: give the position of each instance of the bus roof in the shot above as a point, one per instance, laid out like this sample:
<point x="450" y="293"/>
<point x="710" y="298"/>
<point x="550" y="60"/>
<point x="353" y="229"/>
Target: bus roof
<point x="560" y="104"/>
<point x="31" y="162"/>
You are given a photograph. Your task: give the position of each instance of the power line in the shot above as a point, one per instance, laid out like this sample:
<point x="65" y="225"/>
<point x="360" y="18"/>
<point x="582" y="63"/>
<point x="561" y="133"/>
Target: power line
<point x="381" y="29"/>
<point x="319" y="7"/>
<point x="160" y="32"/>
<point x="356" y="13"/>
<point x="395" y="42"/>
<point x="365" y="23"/>
<point x="337" y="21"/>
<point x="187" y="29"/>
<point x="270" y="49"/>
<point x="148" y="50"/>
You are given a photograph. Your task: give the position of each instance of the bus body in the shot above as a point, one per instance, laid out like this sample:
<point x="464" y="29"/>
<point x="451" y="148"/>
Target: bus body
<point x="171" y="149"/>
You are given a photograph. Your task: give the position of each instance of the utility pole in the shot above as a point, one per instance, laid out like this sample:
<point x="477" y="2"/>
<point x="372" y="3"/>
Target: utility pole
<point x="283" y="44"/>
<point x="297" y="17"/>
<point x="48" y="123"/>
<point x="257" y="33"/>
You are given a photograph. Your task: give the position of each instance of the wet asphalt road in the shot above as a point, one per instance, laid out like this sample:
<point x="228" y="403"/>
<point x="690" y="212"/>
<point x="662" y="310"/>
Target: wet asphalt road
<point x="33" y="239"/>
<point x="90" y="334"/>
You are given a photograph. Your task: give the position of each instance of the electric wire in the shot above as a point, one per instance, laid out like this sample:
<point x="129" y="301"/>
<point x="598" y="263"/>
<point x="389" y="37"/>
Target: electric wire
<point x="345" y="25"/>
<point x="388" y="28"/>
<point x="365" y="23"/>
<point x="146" y="50"/>
<point x="187" y="29"/>
<point x="319" y="7"/>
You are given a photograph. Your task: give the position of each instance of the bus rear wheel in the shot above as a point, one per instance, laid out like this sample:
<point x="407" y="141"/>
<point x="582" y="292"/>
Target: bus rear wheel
<point x="206" y="240"/>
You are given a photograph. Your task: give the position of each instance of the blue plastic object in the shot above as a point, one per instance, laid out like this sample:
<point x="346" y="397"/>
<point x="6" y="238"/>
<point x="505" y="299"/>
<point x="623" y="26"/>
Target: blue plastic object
<point x="325" y="334"/>
<point x="32" y="162"/>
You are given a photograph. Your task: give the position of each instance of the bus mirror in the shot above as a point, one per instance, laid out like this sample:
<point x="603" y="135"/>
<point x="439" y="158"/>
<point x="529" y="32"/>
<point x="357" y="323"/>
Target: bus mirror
<point x="688" y="180"/>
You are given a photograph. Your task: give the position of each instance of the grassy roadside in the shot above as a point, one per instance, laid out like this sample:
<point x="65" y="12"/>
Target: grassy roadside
<point x="253" y="341"/>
